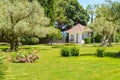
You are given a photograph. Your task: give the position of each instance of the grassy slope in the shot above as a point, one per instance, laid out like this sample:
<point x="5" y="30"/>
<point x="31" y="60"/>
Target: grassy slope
<point x="51" y="66"/>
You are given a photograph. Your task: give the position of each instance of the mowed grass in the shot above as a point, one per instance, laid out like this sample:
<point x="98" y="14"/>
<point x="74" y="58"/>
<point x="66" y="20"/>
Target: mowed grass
<point x="51" y="66"/>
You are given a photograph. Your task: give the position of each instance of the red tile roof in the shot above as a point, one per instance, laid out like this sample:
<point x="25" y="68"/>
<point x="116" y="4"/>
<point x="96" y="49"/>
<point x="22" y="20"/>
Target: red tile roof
<point x="78" y="29"/>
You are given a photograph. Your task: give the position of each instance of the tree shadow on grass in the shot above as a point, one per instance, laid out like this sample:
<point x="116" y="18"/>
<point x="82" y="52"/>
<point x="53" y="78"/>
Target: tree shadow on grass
<point x="107" y="54"/>
<point x="112" y="54"/>
<point x="88" y="54"/>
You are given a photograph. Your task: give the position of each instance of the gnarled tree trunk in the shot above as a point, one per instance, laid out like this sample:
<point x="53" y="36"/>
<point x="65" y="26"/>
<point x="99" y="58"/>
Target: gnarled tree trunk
<point x="14" y="45"/>
<point x="104" y="40"/>
<point x="110" y="40"/>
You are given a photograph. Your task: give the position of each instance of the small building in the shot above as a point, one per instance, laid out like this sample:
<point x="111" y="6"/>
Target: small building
<point x="78" y="33"/>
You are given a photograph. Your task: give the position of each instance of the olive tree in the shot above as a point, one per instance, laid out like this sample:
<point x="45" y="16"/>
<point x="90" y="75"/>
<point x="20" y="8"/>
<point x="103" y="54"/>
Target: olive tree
<point x="20" y="18"/>
<point x="106" y="22"/>
<point x="53" y="34"/>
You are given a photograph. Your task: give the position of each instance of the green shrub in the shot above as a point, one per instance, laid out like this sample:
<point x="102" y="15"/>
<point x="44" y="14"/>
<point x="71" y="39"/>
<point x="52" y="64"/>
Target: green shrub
<point x="29" y="41"/>
<point x="100" y="52"/>
<point x="110" y="54"/>
<point x="24" y="56"/>
<point x="74" y="51"/>
<point x="87" y="40"/>
<point x="65" y="52"/>
<point x="117" y="54"/>
<point x="98" y="38"/>
<point x="25" y="41"/>
<point x="34" y="41"/>
<point x="70" y="51"/>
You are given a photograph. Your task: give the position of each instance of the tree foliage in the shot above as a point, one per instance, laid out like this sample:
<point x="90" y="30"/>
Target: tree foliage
<point x="61" y="18"/>
<point x="50" y="9"/>
<point x="75" y="14"/>
<point x="53" y="34"/>
<point x="65" y="12"/>
<point x="106" y="21"/>
<point x="21" y="18"/>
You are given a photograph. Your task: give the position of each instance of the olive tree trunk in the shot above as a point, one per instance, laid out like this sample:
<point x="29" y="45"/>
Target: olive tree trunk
<point x="104" y="40"/>
<point x="110" y="40"/>
<point x="14" y="45"/>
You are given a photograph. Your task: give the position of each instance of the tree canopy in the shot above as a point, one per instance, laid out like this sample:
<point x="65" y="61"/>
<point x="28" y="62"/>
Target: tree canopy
<point x="21" y="18"/>
<point x="65" y="12"/>
<point x="76" y="14"/>
<point x="106" y="22"/>
<point x="50" y="9"/>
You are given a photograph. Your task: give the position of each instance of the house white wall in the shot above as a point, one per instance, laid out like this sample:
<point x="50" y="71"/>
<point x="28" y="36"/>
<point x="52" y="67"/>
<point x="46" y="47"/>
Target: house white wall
<point x="80" y="39"/>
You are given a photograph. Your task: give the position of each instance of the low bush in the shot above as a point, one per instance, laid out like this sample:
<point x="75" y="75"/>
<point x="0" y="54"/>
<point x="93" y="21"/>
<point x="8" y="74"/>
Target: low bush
<point x="34" y="41"/>
<point x="87" y="40"/>
<point x="117" y="54"/>
<point x="29" y="41"/>
<point x="25" y="41"/>
<point x="74" y="51"/>
<point x="70" y="51"/>
<point x="98" y="38"/>
<point x="110" y="54"/>
<point x="24" y="56"/>
<point x="65" y="52"/>
<point x="100" y="52"/>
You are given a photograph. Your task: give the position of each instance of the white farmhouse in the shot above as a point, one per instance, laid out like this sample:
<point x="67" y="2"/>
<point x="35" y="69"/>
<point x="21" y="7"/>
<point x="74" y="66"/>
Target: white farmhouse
<point x="77" y="33"/>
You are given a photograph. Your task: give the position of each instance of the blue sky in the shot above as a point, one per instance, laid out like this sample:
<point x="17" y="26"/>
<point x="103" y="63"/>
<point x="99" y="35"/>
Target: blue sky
<point x="84" y="3"/>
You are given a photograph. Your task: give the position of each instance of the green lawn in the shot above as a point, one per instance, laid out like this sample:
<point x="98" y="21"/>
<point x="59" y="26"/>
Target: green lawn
<point x="51" y="66"/>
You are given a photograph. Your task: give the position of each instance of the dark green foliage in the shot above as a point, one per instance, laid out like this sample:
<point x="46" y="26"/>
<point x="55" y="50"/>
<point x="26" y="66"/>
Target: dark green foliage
<point x="110" y="54"/>
<point x="117" y="54"/>
<point x="68" y="12"/>
<point x="29" y="41"/>
<point x="24" y="56"/>
<point x="70" y="51"/>
<point x="3" y="68"/>
<point x="74" y="51"/>
<point x="87" y="40"/>
<point x="98" y="38"/>
<point x="65" y="52"/>
<point x="50" y="9"/>
<point x="100" y="52"/>
<point x="75" y="14"/>
<point x="25" y="41"/>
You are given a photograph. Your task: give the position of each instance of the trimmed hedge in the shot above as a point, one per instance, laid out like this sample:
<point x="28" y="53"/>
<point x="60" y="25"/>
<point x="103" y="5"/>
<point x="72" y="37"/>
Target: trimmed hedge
<point x="65" y="52"/>
<point x="74" y="51"/>
<point x="100" y="52"/>
<point x="70" y="51"/>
